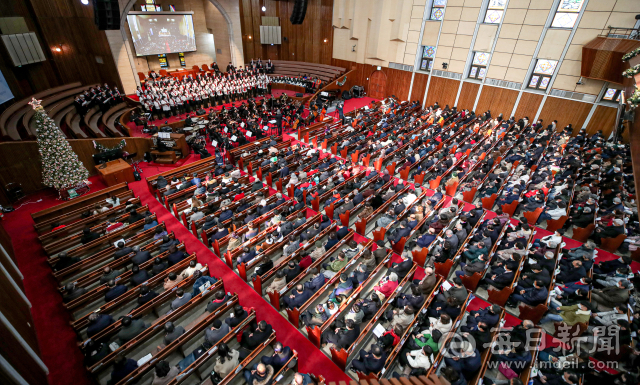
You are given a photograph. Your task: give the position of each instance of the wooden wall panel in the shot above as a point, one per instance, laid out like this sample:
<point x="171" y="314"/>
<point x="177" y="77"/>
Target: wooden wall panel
<point x="419" y="86"/>
<point x="58" y="22"/>
<point x="21" y="161"/>
<point x="604" y="118"/>
<point x="398" y="81"/>
<point x="468" y="95"/>
<point x="528" y="105"/>
<point x="565" y="111"/>
<point x="443" y="91"/>
<point x="303" y="42"/>
<point x="498" y="100"/>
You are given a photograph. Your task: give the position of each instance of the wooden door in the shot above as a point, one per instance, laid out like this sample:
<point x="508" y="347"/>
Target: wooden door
<point x="377" y="85"/>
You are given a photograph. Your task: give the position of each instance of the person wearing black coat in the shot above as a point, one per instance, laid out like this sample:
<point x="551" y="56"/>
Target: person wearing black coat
<point x="141" y="256"/>
<point x="97" y="322"/>
<point x="88" y="235"/>
<point x="342" y="338"/>
<point x="281" y="355"/>
<point x="609" y="267"/>
<point x="371" y="362"/>
<point x="402" y="268"/>
<point x="571" y="273"/>
<point x="298" y="297"/>
<point x="220" y="300"/>
<point x="238" y="315"/>
<point x="138" y="276"/>
<point x="415" y="299"/>
<point x="175" y="255"/>
<point x="292" y="271"/>
<point x="251" y="339"/>
<point x="376" y="201"/>
<point x="121" y="250"/>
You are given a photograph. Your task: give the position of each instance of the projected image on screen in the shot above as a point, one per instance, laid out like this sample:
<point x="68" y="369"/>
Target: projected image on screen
<point x="162" y="34"/>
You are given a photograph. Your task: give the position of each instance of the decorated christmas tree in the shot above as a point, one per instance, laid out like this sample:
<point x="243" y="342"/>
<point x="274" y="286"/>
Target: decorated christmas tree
<point x="61" y="168"/>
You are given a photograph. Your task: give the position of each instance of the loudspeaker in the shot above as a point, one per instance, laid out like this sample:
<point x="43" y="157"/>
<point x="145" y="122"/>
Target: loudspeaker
<point x="299" y="12"/>
<point x="346" y="95"/>
<point x="106" y="14"/>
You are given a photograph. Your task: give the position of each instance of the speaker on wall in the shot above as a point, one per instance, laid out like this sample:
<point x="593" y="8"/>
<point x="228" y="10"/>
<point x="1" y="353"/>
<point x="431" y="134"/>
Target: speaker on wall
<point x="106" y="14"/>
<point x="299" y="12"/>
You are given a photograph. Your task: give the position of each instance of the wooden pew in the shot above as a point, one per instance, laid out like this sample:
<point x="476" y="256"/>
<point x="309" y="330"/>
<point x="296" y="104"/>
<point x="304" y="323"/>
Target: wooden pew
<point x="341" y="356"/>
<point x="294" y="314"/>
<point x="314" y="333"/>
<point x="80" y="213"/>
<point x="89" y="278"/>
<point x="78" y="226"/>
<point x="100" y="256"/>
<point x="197" y="166"/>
<point x="157" y="327"/>
<point x="391" y="357"/>
<point x="79" y="203"/>
<point x="97" y="293"/>
<point x="130" y="297"/>
<point x="75" y="238"/>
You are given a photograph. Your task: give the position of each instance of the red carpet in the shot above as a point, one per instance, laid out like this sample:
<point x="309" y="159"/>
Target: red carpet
<point x="58" y="341"/>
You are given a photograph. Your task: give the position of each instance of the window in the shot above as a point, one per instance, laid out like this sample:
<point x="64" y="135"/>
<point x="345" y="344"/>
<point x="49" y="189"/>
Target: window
<point x="495" y="11"/>
<point x="428" y="54"/>
<point x="567" y="13"/>
<point x="437" y="9"/>
<point x="612" y="95"/>
<point x="542" y="73"/>
<point x="479" y="65"/>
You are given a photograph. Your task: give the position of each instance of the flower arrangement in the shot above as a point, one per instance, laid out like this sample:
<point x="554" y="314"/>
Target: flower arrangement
<point x="634" y="99"/>
<point x="632" y="71"/>
<point x="100" y="148"/>
<point x="631" y="54"/>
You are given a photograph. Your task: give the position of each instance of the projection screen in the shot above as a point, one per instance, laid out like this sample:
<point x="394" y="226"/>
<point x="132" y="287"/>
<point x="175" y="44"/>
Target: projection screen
<point x="156" y="33"/>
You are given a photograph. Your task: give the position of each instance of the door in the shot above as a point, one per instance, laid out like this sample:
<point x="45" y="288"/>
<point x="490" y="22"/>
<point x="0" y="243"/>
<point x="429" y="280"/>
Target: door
<point x="378" y="85"/>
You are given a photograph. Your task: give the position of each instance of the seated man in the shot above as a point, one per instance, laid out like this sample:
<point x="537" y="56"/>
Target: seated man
<point x="371" y="362"/>
<point x="531" y="296"/>
<point x="611" y="296"/>
<point x="297" y="298"/>
<point x="251" y="339"/>
<point x="489" y="316"/>
<point x="281" y="355"/>
<point x="342" y="338"/>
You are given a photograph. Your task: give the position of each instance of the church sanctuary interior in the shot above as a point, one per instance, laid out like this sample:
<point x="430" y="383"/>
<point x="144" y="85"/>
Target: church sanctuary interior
<point x="319" y="192"/>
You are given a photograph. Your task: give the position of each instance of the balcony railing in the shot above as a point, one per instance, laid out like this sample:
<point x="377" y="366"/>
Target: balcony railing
<point x="621" y="33"/>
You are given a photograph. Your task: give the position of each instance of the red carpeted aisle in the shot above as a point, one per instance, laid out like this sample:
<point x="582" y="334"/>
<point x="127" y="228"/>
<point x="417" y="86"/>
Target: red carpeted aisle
<point x="58" y="341"/>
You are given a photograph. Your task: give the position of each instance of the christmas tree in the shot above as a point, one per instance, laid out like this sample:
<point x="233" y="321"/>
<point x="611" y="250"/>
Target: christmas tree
<point x="61" y="168"/>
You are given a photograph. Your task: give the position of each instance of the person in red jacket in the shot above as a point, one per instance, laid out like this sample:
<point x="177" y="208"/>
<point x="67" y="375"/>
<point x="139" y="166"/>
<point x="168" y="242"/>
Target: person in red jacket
<point x="386" y="286"/>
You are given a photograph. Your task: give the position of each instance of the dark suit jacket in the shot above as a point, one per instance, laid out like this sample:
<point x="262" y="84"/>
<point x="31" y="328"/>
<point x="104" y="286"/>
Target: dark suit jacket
<point x="346" y="337"/>
<point x="251" y="342"/>
<point x="292" y="273"/>
<point x="235" y="321"/>
<point x="141" y="257"/>
<point x="372" y="364"/>
<point x="127" y="334"/>
<point x="103" y="321"/>
<point x="115" y="292"/>
<point x="122" y="252"/>
<point x="139" y="278"/>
